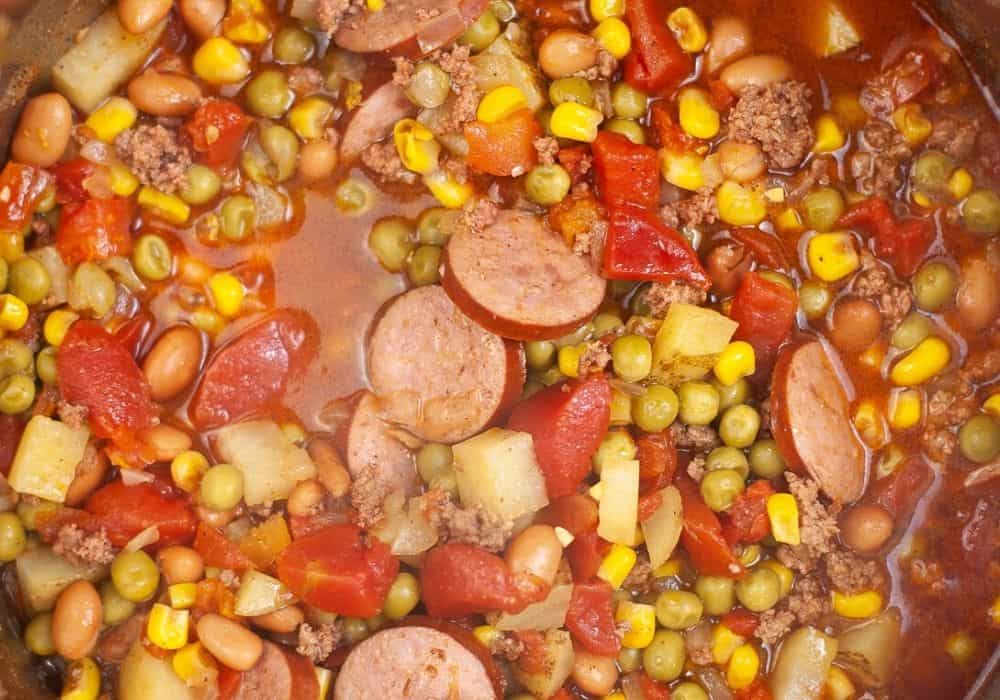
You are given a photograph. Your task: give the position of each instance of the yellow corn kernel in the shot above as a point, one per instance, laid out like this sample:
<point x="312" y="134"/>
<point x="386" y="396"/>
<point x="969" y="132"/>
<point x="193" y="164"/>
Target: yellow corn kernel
<point x="992" y="405"/>
<point x="922" y="200"/>
<point x="922" y="362"/>
<point x="83" y="681"/>
<point x="373" y="6"/>
<point x="872" y="357"/>
<point x="600" y="10"/>
<point x="737" y="360"/>
<point x="688" y="28"/>
<point x="208" y="320"/>
<point x="870" y="424"/>
<point x="56" y="325"/>
<point x="124" y="183"/>
<point x="858" y="606"/>
<point x="789" y="221"/>
<point x="739" y="205"/>
<point x="13" y="313"/>
<point x="219" y="62"/>
<point x="416" y="146"/>
<point x="194" y="665"/>
<point x="829" y="136"/>
<point x="182" y="595"/>
<point x="960" y="183"/>
<point x="245" y="23"/>
<point x="912" y="124"/>
<point x="696" y="114"/>
<point x="166" y="206"/>
<point x="994" y="612"/>
<point x="614" y="37"/>
<point x="833" y="256"/>
<point x="960" y="647"/>
<point x="353" y="94"/>
<point x="167" y="628"/>
<point x="743" y="667"/>
<point x="838" y="686"/>
<point x="615" y="696"/>
<point x="682" y="169"/>
<point x="449" y="192"/>
<point x="616" y="565"/>
<point x="227" y="293"/>
<point x="783" y="512"/>
<point x="486" y="634"/>
<point x="187" y="468"/>
<point x="309" y="117"/>
<point x="775" y="195"/>
<point x="905" y="408"/>
<point x="671" y="567"/>
<point x="575" y="121"/>
<point x="112" y="118"/>
<point x="724" y="643"/>
<point x="848" y="109"/>
<point x="640" y="621"/>
<point x="499" y="103"/>
<point x="294" y="432"/>
<point x="784" y="574"/>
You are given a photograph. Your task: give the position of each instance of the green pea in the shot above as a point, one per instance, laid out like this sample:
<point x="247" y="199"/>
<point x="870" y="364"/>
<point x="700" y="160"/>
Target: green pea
<point x="38" y="635"/>
<point x="423" y="266"/>
<point x="433" y="460"/>
<point x="736" y="393"/>
<point x="581" y="334"/>
<point x="726" y="457"/>
<point x="135" y="575"/>
<point x="678" y="610"/>
<point x="354" y="629"/>
<point x="979" y="439"/>
<point x="293" y="45"/>
<point x="547" y="184"/>
<point x="239" y="216"/>
<point x="116" y="608"/>
<point x="391" y="239"/>
<point x="504" y="10"/>
<point x="934" y="286"/>
<point x="429" y="86"/>
<point x="152" y="258"/>
<point x="12" y="537"/>
<point x="699" y="403"/>
<point x="765" y="459"/>
<point x="778" y="278"/>
<point x="617" y="445"/>
<point x="4" y="274"/>
<point x="814" y="299"/>
<point x="282" y="147"/>
<point x="17" y="393"/>
<point x="11" y="246"/>
<point x="720" y="488"/>
<point x="749" y="554"/>
<point x="29" y="280"/>
<point x="268" y="94"/>
<point x="45" y="365"/>
<point x="572" y="89"/>
<point x="718" y="594"/>
<point x="981" y="212"/>
<point x="739" y="426"/>
<point x="629" y="660"/>
<point x="655" y="408"/>
<point x="222" y="487"/>
<point x="403" y="596"/>
<point x="627" y="102"/>
<point x="539" y="354"/>
<point x="663" y="660"/>
<point x="688" y="691"/>
<point x="632" y="130"/>
<point x="354" y="197"/>
<point x="481" y="33"/>
<point x="605" y="322"/>
<point x="632" y="357"/>
<point x="931" y="171"/>
<point x="822" y="207"/>
<point x="911" y="330"/>
<point x="759" y="591"/>
<point x="15" y="358"/>
<point x="92" y="290"/>
<point x="433" y="226"/>
<point x="201" y="185"/>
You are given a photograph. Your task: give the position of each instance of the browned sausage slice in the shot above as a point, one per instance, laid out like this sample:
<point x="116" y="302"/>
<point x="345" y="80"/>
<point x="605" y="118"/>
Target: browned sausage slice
<point x="374" y="119"/>
<point x="520" y="280"/>
<point x="279" y="674"/>
<point x="810" y="421"/>
<point x="411" y="28"/>
<point x="418" y="663"/>
<point x="438" y="373"/>
<point x="372" y="443"/>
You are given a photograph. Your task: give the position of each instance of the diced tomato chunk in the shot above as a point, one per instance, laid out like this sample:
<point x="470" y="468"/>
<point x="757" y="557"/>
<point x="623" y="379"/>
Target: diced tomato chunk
<point x="590" y="618"/>
<point x="95" y="229"/>
<point x="657" y="460"/>
<point x="903" y="243"/>
<point x="639" y="246"/>
<point x="652" y="690"/>
<point x="218" y="551"/>
<point x="702" y="537"/>
<point x="585" y="554"/>
<point x="656" y="63"/>
<point x="462" y="579"/>
<point x="574" y="512"/>
<point x="25" y="185"/>
<point x="216" y="130"/>
<point x="746" y="519"/>
<point x="11" y="428"/>
<point x="899" y="492"/>
<point x="766" y="247"/>
<point x="72" y="177"/>
<point x="668" y="132"/>
<point x="503" y="148"/>
<point x="766" y="312"/>
<point x="339" y="569"/>
<point x="125" y="511"/>
<point x="741" y="621"/>
<point x="626" y="172"/>
<point x="758" y="690"/>
<point x="576" y="160"/>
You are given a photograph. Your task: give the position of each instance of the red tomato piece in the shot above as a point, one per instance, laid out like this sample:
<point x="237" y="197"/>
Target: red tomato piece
<point x="591" y="620"/>
<point x="504" y="148"/>
<point x="574" y="159"/>
<point x="899" y="492"/>
<point x="904" y="244"/>
<point x="96" y="229"/>
<point x="71" y="179"/>
<point x="741" y="621"/>
<point x="766" y="312"/>
<point x="133" y="333"/>
<point x="657" y="460"/>
<point x="639" y="246"/>
<point x="462" y="579"/>
<point x="746" y="520"/>
<point x="702" y="535"/>
<point x="766" y="247"/>
<point x="652" y="690"/>
<point x="575" y="512"/>
<point x="340" y="570"/>
<point x="722" y="97"/>
<point x="250" y="374"/>
<point x="626" y="172"/>
<point x="669" y="134"/>
<point x="585" y="554"/>
<point x="533" y="658"/>
<point x="11" y="428"/>
<point x="125" y="511"/>
<point x="96" y="371"/>
<point x="568" y="422"/>
<point x="26" y="184"/>
<point x="758" y="690"/>
<point x="218" y="551"/>
<point x="905" y="80"/>
<point x="217" y="129"/>
<point x="656" y="63"/>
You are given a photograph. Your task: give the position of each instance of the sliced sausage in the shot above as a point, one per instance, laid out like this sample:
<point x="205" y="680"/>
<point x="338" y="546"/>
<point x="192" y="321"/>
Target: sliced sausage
<point x="437" y="372"/>
<point x="413" y="663"/>
<point x="279" y="674"/>
<point x="520" y="280"/>
<point x="370" y="442"/>
<point x="811" y="422"/>
<point x="374" y="119"/>
<point x="410" y="28"/>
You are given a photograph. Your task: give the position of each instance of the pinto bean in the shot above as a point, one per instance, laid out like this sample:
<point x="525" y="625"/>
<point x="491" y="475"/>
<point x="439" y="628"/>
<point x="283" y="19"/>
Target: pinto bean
<point x="90" y="474"/>
<point x="305" y="498"/>
<point x="741" y="162"/>
<point x="283" y="621"/>
<point x="180" y="564"/>
<point x="165" y="441"/>
<point x="43" y="132"/>
<point x="76" y="620"/>
<point x="317" y="160"/>
<point x="330" y="469"/>
<point x="726" y="264"/>
<point x="565" y="52"/>
<point x="230" y="642"/>
<point x="855" y="324"/>
<point x="173" y="362"/>
<point x="202" y="16"/>
<point x="758" y="71"/>
<point x="978" y="296"/>
<point x="865" y="528"/>
<point x="730" y="39"/>
<point x="164" y="94"/>
<point x="138" y="16"/>
<point x="594" y="674"/>
<point x="533" y="556"/>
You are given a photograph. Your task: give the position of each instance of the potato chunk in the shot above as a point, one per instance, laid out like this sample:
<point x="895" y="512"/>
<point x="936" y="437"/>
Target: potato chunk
<point x="498" y="470"/>
<point x="46" y="458"/>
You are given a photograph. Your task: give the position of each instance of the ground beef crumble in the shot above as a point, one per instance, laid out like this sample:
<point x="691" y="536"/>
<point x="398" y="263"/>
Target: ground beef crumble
<point x="807" y="603"/>
<point x="507" y="647"/>
<point x="691" y="212"/>
<point x="461" y="105"/>
<point x="594" y="358"/>
<point x="317" y="642"/>
<point x="330" y="14"/>
<point x="660" y="296"/>
<point x="72" y="415"/>
<point x="849" y="573"/>
<point x="874" y="281"/>
<point x="368" y="494"/>
<point x="79" y="547"/>
<point x="696" y="468"/>
<point x="480" y="214"/>
<point x="305" y="80"/>
<point x="471" y="525"/>
<point x="383" y="160"/>
<point x="777" y="118"/>
<point x="640" y="579"/>
<point x="547" y="148"/>
<point x="698" y="644"/>
<point x="818" y="530"/>
<point x="875" y="167"/>
<point x="155" y="155"/>
<point x="700" y="438"/>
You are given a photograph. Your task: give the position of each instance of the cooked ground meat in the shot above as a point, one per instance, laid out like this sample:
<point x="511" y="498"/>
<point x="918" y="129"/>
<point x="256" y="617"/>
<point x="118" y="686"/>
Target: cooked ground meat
<point x="595" y="358"/>
<point x="472" y="525"/>
<point x="700" y="438"/>
<point x="79" y="547"/>
<point x="547" y="148"/>
<point x="229" y="578"/>
<point x="368" y="494"/>
<point x="776" y="117"/>
<point x="660" y="296"/>
<point x="305" y="80"/>
<point x="849" y="573"/>
<point x="773" y="625"/>
<point x="317" y="643"/>
<point x="72" y="415"/>
<point x="156" y="155"/>
<point x="874" y="281"/>
<point x="806" y="604"/>
<point x="817" y="173"/>
<point x="955" y="136"/>
<point x="981" y="366"/>
<point x="818" y="530"/>
<point x="698" y="644"/>
<point x="603" y="69"/>
<point x="383" y="160"/>
<point x="507" y="647"/>
<point x="461" y="105"/>
<point x="696" y="468"/>
<point x="640" y="579"/>
<point x="951" y="402"/>
<point x="479" y="214"/>
<point x="330" y="14"/>
<point x="876" y="166"/>
<point x="696" y="210"/>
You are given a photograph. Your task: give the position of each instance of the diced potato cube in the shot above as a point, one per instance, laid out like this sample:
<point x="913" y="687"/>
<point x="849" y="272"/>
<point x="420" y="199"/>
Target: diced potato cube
<point x="836" y="31"/>
<point x="543" y="615"/>
<point x="662" y="529"/>
<point x="556" y="665"/>
<point x="619" y="507"/>
<point x="42" y="575"/>
<point x="498" y="470"/>
<point x="260" y="594"/>
<point x="270" y="462"/>
<point x="689" y="342"/>
<point x="46" y="458"/>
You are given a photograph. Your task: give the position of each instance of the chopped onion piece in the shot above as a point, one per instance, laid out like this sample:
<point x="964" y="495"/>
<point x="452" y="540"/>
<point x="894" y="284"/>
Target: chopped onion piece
<point x="151" y="535"/>
<point x="543" y="615"/>
<point x="133" y="477"/>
